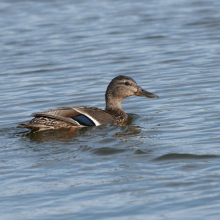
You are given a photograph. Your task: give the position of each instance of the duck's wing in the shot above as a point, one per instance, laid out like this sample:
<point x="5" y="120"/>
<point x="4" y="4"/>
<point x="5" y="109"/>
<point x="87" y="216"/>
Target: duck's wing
<point x="78" y="116"/>
<point x="62" y="114"/>
<point x="97" y="115"/>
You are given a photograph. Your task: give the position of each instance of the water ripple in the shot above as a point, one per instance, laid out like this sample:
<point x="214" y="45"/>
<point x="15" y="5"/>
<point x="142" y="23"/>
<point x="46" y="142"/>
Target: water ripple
<point x="164" y="163"/>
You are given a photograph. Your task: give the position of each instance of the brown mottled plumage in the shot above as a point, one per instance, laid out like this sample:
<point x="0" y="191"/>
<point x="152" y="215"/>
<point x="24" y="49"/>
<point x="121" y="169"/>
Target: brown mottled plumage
<point x="66" y="117"/>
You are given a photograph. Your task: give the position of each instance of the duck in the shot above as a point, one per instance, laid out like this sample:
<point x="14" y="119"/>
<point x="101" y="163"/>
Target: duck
<point x="79" y="116"/>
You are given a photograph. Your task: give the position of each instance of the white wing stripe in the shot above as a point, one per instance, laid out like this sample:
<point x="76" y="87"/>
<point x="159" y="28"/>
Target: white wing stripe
<point x="91" y="118"/>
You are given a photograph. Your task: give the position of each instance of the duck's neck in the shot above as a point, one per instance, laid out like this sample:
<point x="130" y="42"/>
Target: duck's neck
<point x="113" y="105"/>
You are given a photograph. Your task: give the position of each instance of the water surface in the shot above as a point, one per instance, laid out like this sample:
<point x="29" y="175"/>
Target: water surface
<point x="165" y="163"/>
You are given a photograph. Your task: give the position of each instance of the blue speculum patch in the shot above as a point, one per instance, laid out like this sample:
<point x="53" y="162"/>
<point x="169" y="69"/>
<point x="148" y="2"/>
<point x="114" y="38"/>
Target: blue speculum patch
<point x="83" y="120"/>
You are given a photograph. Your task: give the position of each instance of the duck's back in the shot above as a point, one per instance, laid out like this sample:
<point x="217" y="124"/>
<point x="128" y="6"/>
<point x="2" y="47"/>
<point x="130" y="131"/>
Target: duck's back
<point x="67" y="117"/>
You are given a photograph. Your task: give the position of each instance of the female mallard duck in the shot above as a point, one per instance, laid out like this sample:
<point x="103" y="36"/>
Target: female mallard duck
<point x="67" y="117"/>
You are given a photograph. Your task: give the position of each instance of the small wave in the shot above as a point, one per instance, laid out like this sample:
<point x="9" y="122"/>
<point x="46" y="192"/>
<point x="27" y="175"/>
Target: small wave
<point x="174" y="156"/>
<point x="107" y="151"/>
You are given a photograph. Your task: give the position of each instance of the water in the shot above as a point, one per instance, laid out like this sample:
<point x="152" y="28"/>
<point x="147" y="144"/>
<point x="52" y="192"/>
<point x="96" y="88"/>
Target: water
<point x="165" y="163"/>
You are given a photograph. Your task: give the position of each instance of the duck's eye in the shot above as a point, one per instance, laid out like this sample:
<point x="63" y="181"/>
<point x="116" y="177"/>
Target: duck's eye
<point x="127" y="83"/>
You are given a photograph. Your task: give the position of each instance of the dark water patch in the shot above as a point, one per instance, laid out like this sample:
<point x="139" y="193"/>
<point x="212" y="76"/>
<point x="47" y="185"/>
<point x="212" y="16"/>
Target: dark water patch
<point x="174" y="156"/>
<point x="152" y="37"/>
<point x="107" y="151"/>
<point x="139" y="151"/>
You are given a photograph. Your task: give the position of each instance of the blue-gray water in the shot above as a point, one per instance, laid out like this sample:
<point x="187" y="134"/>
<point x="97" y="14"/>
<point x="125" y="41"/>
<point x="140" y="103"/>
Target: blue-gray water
<point x="165" y="164"/>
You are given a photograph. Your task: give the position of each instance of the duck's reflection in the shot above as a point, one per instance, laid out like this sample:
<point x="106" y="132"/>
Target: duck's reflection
<point x="128" y="130"/>
<point x="64" y="135"/>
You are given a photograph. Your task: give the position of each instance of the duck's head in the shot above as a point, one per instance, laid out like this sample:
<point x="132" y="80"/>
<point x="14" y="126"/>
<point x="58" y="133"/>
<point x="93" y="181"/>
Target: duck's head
<point x="123" y="86"/>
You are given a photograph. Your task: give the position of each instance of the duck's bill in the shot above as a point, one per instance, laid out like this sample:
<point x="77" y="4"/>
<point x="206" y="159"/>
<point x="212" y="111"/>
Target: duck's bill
<point x="144" y="93"/>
